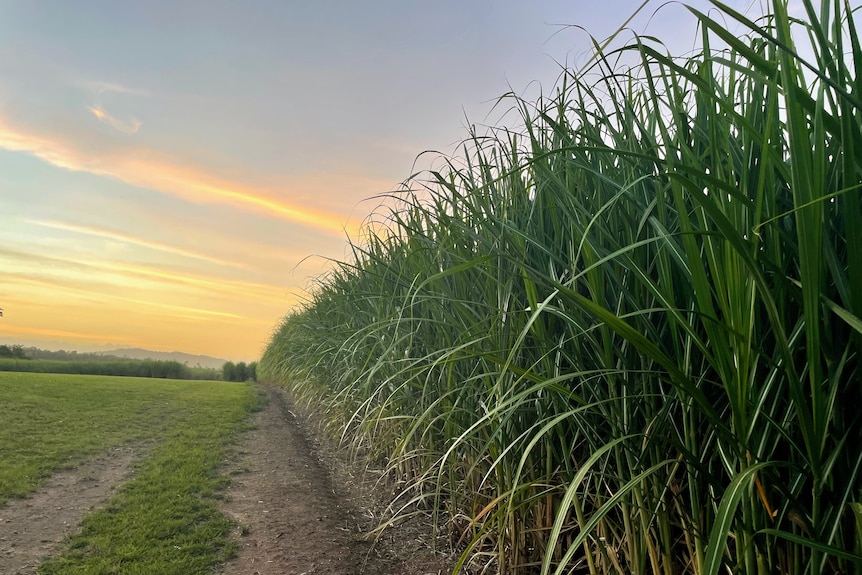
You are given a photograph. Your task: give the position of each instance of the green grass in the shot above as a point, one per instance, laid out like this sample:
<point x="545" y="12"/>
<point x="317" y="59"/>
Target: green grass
<point x="623" y="333"/>
<point x="166" y="519"/>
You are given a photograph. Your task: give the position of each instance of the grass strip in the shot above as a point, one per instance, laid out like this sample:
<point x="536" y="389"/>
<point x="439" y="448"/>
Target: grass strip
<point x="52" y="421"/>
<point x="166" y="520"/>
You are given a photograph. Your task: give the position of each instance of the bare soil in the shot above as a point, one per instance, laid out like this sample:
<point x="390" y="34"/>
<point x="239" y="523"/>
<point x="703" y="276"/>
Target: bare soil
<point x="32" y="529"/>
<point x="303" y="509"/>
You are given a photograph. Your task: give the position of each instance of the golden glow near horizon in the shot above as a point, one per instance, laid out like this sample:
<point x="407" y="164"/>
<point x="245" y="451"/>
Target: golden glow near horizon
<point x="83" y="297"/>
<point x="99" y="285"/>
<point x="116" y="303"/>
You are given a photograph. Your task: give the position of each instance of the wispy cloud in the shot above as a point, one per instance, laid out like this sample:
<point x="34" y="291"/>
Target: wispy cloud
<point x="146" y="169"/>
<point x="53" y="152"/>
<point x="127" y="127"/>
<point x="195" y="311"/>
<point x="95" y="292"/>
<point x="211" y="284"/>
<point x="20" y="330"/>
<point x="37" y="277"/>
<point x="134" y="240"/>
<point x="25" y="261"/>
<point x="103" y="87"/>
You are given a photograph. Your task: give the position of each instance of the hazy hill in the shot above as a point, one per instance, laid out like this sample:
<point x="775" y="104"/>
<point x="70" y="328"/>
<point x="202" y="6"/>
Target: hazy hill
<point x="186" y="358"/>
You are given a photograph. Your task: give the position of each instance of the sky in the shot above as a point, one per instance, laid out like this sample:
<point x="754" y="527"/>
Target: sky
<point x="174" y="174"/>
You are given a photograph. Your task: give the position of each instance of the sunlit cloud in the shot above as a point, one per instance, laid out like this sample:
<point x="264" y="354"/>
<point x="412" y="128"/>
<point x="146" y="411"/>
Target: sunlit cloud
<point x="133" y="240"/>
<point x="198" y="187"/>
<point x="53" y="152"/>
<point x="144" y="168"/>
<point x="128" y="127"/>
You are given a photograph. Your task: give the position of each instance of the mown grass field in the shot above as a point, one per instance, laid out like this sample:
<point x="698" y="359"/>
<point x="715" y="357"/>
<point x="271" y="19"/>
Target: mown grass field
<point x="166" y="519"/>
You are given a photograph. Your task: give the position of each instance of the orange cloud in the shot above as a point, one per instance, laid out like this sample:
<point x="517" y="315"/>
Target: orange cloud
<point x="143" y="168"/>
<point x="130" y="127"/>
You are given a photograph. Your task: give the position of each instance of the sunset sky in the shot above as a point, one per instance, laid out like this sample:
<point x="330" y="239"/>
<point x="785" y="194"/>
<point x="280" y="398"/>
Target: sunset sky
<point x="168" y="167"/>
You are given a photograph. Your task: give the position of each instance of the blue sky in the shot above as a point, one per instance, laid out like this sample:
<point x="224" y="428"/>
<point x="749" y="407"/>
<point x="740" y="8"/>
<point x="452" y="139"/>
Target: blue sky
<point x="166" y="168"/>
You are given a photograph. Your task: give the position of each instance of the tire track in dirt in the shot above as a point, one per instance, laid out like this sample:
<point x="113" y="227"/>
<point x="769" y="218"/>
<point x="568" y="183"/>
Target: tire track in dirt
<point x="295" y="518"/>
<point x="32" y="529"/>
<point x="291" y="522"/>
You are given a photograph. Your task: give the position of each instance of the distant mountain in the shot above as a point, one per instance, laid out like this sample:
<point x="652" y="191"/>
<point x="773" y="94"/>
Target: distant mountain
<point x="186" y="358"/>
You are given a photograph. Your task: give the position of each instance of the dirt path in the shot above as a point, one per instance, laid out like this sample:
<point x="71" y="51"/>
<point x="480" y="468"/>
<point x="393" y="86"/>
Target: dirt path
<point x="301" y="508"/>
<point x="296" y="517"/>
<point x="31" y="529"/>
<point x="291" y="522"/>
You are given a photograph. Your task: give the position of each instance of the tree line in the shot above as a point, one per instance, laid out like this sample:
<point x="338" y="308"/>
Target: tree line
<point x="13" y="351"/>
<point x="241" y="371"/>
<point x="130" y="368"/>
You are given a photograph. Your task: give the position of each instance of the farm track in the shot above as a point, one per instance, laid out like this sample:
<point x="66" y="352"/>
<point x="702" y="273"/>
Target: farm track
<point x="301" y="510"/>
<point x="32" y="529"/>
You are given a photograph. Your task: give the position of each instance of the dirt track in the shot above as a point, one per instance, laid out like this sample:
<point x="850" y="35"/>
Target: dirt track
<point x="32" y="529"/>
<point x="294" y="514"/>
<point x="289" y="518"/>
